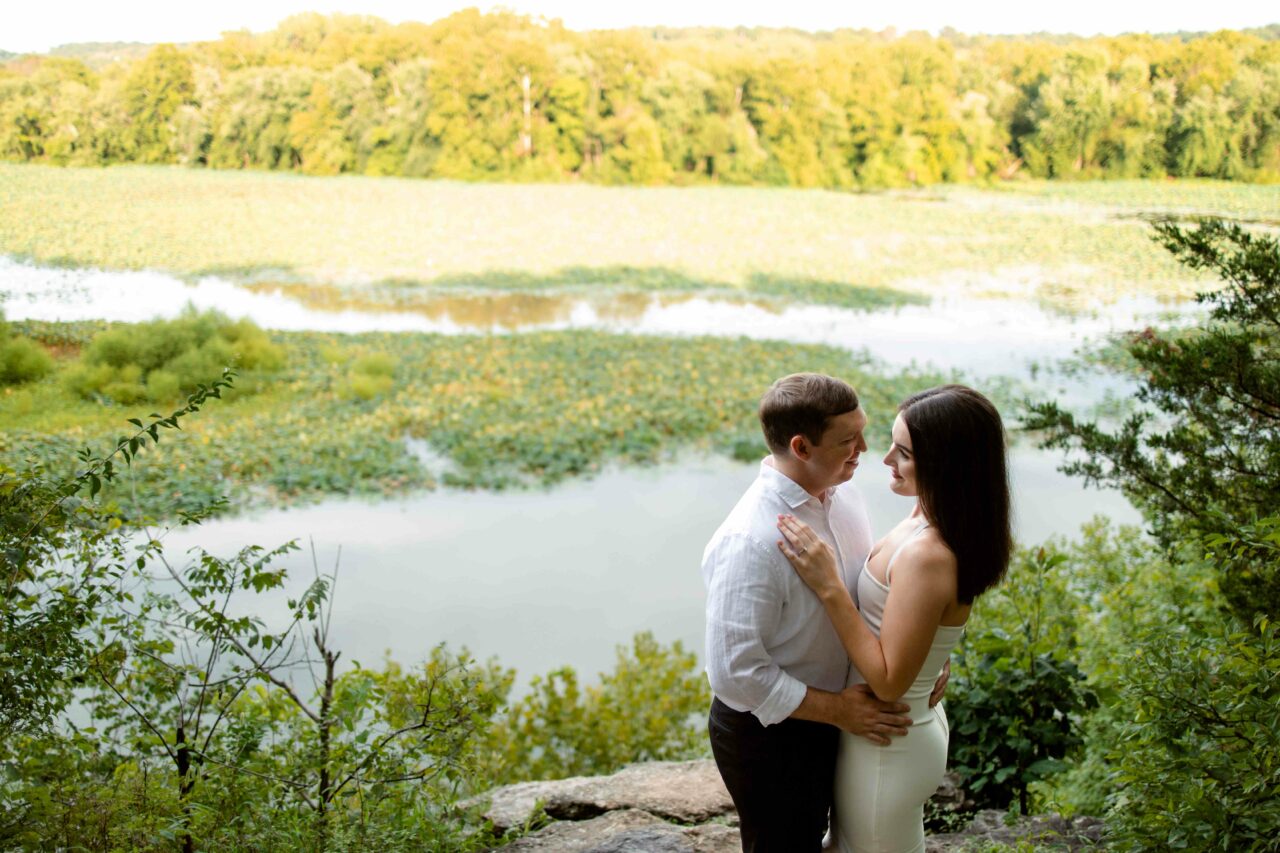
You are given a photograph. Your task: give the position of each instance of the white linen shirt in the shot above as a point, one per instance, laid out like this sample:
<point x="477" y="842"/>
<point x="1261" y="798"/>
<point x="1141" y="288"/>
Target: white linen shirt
<point x="768" y="637"/>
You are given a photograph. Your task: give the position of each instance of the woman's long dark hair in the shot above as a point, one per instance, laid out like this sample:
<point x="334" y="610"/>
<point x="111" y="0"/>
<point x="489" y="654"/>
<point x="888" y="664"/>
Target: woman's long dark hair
<point x="962" y="477"/>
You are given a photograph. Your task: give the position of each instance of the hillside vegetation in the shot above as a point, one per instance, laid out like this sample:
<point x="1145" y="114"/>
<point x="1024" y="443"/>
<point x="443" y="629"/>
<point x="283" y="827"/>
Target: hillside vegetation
<point x="502" y="96"/>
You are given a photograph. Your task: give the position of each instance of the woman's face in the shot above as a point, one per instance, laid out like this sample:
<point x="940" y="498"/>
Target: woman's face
<point x="901" y="461"/>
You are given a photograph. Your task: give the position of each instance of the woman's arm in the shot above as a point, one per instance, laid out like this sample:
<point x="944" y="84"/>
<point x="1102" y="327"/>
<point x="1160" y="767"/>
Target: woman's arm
<point x="917" y="600"/>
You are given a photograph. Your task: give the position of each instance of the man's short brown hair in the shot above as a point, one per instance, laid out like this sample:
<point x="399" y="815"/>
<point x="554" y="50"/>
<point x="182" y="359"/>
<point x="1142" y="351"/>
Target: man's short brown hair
<point x="803" y="404"/>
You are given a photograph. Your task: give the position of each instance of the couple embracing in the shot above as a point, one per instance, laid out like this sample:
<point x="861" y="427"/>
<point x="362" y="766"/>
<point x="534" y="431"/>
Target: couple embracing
<point x="827" y="653"/>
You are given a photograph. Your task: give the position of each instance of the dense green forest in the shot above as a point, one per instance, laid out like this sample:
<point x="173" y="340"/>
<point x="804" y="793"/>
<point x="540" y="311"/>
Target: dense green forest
<point x="501" y="96"/>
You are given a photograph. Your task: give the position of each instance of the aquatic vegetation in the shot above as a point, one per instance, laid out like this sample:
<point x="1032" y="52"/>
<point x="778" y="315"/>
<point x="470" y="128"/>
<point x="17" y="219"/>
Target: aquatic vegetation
<point x="1247" y="202"/>
<point x="371" y="376"/>
<point x="504" y="410"/>
<point x="806" y="245"/>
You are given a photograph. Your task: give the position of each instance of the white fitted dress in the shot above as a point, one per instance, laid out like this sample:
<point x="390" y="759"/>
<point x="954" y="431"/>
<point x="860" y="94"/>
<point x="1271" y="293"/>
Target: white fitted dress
<point x="880" y="791"/>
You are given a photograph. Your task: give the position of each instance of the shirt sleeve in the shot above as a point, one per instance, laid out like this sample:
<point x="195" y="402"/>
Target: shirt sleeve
<point x="745" y="596"/>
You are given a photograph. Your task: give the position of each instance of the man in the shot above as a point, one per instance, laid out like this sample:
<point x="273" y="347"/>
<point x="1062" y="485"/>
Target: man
<point x="776" y="666"/>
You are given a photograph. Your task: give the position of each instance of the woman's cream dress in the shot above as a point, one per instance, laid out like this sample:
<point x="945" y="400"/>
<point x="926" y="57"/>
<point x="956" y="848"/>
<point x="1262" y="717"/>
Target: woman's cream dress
<point x="881" y="790"/>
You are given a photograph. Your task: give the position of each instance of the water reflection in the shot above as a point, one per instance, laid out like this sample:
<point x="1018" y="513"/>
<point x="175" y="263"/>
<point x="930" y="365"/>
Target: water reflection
<point x="980" y="337"/>
<point x="508" y="312"/>
<point x="562" y="576"/>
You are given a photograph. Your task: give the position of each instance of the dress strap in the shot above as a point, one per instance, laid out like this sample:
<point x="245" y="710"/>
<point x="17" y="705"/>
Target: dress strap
<point x="915" y="533"/>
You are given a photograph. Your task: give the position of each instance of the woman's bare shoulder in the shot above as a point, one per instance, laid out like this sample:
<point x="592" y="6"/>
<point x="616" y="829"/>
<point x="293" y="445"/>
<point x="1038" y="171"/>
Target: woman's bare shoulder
<point x="927" y="555"/>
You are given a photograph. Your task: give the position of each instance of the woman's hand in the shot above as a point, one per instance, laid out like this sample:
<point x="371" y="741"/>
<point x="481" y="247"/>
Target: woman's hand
<point x="812" y="558"/>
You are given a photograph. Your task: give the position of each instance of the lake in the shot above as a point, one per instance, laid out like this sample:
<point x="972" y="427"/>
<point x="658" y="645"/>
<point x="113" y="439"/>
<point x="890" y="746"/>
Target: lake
<point x="561" y="576"/>
<point x="545" y="578"/>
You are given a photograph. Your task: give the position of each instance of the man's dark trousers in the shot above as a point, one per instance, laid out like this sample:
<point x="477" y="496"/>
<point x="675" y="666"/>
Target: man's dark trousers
<point x="780" y="778"/>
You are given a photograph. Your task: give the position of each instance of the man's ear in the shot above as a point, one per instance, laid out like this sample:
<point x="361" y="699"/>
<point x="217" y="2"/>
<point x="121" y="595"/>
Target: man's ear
<point x="799" y="447"/>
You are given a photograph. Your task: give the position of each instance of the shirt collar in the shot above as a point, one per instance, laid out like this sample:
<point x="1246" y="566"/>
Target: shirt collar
<point x="788" y="489"/>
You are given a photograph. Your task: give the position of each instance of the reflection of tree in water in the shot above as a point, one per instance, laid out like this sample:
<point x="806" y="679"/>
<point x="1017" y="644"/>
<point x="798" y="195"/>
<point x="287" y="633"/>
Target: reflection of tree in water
<point x="501" y="310"/>
<point x="625" y="306"/>
<point x="508" y="311"/>
<point x="504" y="310"/>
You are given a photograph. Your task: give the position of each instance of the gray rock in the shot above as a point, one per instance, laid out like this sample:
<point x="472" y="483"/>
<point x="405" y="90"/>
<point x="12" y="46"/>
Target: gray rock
<point x="627" y="831"/>
<point x="950" y="797"/>
<point x="647" y="840"/>
<point x="715" y="837"/>
<point x="1069" y="834"/>
<point x="683" y="807"/>
<point x="688" y="792"/>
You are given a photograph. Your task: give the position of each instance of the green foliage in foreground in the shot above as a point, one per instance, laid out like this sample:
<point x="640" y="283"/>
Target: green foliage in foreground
<point x="1200" y="758"/>
<point x="159" y="360"/>
<point x="63" y="560"/>
<point x="1181" y="750"/>
<point x="650" y="708"/>
<point x="1204" y="457"/>
<point x="1182" y="642"/>
<point x="501" y="410"/>
<point x="201" y="729"/>
<point x="1018" y="699"/>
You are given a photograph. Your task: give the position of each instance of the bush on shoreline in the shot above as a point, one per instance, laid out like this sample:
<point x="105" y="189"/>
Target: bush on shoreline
<point x="21" y="359"/>
<point x="160" y="360"/>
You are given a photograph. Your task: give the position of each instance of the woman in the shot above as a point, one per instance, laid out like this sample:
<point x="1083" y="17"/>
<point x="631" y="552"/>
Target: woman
<point x="914" y="594"/>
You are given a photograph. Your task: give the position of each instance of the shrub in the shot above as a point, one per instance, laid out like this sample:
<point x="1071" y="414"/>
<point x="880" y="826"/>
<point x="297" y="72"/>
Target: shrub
<point x="648" y="709"/>
<point x="1018" y="699"/>
<point x="375" y="364"/>
<point x="1200" y="759"/>
<point x="364" y="387"/>
<point x="1122" y="588"/>
<point x="23" y="361"/>
<point x="372" y="375"/>
<point x="1195" y="719"/>
<point x="1202" y="455"/>
<point x="1196" y="749"/>
<point x="163" y="359"/>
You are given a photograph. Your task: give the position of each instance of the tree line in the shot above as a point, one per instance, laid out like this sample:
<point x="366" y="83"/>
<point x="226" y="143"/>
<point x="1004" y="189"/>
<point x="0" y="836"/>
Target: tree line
<point x="499" y="96"/>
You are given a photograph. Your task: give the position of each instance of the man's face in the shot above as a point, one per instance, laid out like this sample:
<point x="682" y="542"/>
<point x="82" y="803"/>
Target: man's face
<point x="835" y="458"/>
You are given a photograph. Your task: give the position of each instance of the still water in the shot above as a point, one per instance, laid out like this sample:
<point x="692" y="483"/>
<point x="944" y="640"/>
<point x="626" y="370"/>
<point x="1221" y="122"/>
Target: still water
<point x="546" y="578"/>
<point x="980" y="337"/>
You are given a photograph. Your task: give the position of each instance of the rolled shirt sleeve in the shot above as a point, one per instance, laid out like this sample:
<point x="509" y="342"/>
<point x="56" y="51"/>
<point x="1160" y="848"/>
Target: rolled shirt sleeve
<point x="746" y="592"/>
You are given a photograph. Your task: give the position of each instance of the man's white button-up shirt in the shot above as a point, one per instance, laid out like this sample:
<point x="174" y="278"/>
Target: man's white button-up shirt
<point x="768" y="637"/>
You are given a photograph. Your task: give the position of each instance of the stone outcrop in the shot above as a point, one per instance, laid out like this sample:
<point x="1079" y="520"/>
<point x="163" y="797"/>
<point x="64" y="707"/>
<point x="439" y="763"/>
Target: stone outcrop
<point x="686" y="792"/>
<point x="683" y="807"/>
<point x="628" y="831"/>
<point x="1067" y="834"/>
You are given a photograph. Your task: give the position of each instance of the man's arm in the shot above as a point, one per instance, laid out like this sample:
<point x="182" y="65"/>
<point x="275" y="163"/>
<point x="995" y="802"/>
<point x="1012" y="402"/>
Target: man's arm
<point x="855" y="710"/>
<point x="744" y="602"/>
<point x="745" y="593"/>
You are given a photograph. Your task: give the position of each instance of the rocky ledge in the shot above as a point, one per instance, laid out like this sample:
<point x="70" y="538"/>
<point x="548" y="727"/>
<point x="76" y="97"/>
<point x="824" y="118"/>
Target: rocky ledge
<point x="683" y="807"/>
